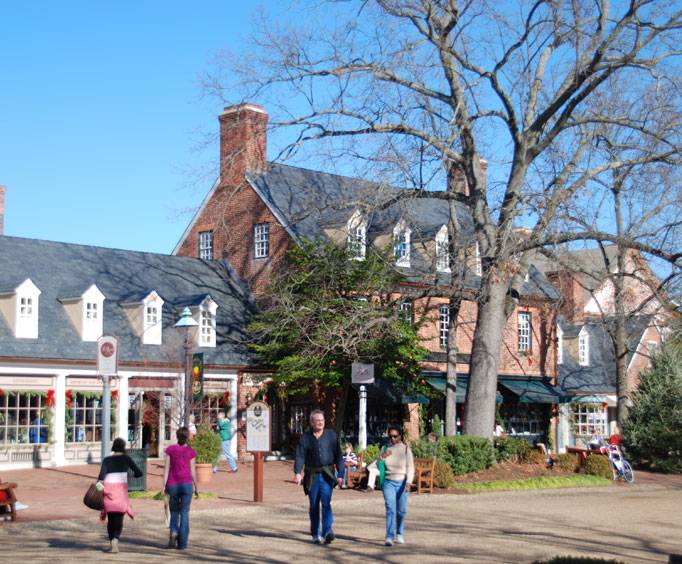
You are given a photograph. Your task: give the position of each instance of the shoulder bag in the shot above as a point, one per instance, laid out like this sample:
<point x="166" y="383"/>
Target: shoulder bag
<point x="94" y="498"/>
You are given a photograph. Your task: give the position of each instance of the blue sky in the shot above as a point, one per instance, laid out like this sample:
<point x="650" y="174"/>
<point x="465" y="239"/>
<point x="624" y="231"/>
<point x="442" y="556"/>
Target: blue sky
<point x="99" y="112"/>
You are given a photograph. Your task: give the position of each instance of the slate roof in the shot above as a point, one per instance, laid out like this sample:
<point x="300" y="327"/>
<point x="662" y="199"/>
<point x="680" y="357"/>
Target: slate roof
<point x="600" y="375"/>
<point x="62" y="269"/>
<point x="307" y="202"/>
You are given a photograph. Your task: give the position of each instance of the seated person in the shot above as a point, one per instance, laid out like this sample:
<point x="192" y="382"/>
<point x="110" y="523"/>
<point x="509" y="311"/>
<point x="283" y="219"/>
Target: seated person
<point x="349" y="457"/>
<point x="596" y="442"/>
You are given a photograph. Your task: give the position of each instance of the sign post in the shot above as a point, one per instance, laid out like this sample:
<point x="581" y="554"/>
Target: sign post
<point x="107" y="367"/>
<point x="258" y="442"/>
<point x="362" y="374"/>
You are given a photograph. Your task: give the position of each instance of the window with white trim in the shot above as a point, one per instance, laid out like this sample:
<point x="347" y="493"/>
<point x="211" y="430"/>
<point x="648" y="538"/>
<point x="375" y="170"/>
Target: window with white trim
<point x="589" y="418"/>
<point x="26" y="308"/>
<point x="84" y="418"/>
<point x="206" y="245"/>
<point x="261" y="240"/>
<point x="443" y="250"/>
<point x="152" y="319"/>
<point x="583" y="348"/>
<point x="444" y="322"/>
<point x="206" y="324"/>
<point x="22" y="418"/>
<point x="357" y="237"/>
<point x="559" y="345"/>
<point x="401" y="246"/>
<point x="151" y="315"/>
<point x="406" y="311"/>
<point x="525" y="330"/>
<point x="91" y="310"/>
<point x="479" y="262"/>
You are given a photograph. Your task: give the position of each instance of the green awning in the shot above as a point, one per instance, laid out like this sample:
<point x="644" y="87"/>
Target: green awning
<point x="415" y="399"/>
<point x="438" y="382"/>
<point x="532" y="391"/>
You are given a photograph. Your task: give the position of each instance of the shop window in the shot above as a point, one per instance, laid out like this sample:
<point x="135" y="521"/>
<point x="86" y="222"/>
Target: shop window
<point x="589" y="418"/>
<point x="23" y="418"/>
<point x="525" y="419"/>
<point x="83" y="417"/>
<point x="206" y="411"/>
<point x="298" y="419"/>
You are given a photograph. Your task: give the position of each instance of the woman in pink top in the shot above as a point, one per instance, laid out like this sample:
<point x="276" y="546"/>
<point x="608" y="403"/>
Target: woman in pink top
<point x="179" y="475"/>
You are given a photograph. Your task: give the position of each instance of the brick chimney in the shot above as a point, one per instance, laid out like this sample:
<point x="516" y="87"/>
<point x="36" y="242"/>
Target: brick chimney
<point x="456" y="176"/>
<point x="2" y="209"/>
<point x="243" y="141"/>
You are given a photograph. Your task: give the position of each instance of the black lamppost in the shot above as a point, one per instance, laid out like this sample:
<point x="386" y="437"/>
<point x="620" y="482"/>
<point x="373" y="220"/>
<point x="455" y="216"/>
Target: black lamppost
<point x="187" y="322"/>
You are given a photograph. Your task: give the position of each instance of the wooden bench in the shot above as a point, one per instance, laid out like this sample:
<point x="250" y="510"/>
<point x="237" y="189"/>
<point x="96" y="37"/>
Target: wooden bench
<point x="424" y="469"/>
<point x="8" y="499"/>
<point x="354" y="477"/>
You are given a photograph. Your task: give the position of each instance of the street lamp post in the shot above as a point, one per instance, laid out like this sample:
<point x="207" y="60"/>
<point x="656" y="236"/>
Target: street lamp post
<point x="187" y="322"/>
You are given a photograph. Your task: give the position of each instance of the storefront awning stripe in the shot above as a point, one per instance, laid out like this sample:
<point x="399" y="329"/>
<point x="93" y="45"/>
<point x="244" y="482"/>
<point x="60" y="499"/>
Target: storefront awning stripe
<point x="461" y="391"/>
<point x="532" y="391"/>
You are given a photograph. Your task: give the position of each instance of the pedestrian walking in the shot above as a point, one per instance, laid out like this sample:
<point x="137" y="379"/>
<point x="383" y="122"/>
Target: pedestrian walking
<point x="319" y="452"/>
<point x="113" y="479"/>
<point x="225" y="432"/>
<point x="399" y="464"/>
<point x="179" y="479"/>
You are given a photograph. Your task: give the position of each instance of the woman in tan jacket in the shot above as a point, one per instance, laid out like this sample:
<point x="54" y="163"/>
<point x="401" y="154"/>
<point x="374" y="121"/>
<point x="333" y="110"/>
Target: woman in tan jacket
<point x="397" y="483"/>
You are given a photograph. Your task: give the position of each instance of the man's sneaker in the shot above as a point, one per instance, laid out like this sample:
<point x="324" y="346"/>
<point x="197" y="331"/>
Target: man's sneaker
<point x="114" y="546"/>
<point x="388" y="542"/>
<point x="329" y="537"/>
<point x="317" y="540"/>
<point x="173" y="540"/>
<point x="400" y="539"/>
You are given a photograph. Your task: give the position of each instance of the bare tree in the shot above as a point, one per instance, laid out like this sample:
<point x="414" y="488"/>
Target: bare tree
<point x="412" y="89"/>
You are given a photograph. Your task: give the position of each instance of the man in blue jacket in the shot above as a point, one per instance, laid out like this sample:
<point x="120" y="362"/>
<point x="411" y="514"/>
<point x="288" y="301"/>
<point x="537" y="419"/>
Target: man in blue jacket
<point x="319" y="452"/>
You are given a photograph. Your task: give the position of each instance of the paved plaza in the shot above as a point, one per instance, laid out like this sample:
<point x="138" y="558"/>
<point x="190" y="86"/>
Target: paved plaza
<point x="638" y="523"/>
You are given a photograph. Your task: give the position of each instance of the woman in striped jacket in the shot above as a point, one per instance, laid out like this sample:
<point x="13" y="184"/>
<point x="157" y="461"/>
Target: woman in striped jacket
<point x="113" y="476"/>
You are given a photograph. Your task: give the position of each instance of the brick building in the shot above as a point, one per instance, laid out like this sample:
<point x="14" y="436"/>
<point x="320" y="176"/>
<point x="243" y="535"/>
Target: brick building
<point x="257" y="209"/>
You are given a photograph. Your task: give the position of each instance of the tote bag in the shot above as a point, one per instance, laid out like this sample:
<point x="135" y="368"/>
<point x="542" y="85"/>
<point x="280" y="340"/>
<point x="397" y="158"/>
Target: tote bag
<point x="94" y="498"/>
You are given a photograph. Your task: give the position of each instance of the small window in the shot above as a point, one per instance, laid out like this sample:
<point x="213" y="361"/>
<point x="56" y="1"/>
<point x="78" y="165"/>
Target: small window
<point x="559" y="345"/>
<point x="91" y="311"/>
<point x="401" y="248"/>
<point x="479" y="263"/>
<point x="357" y="242"/>
<point x="525" y="331"/>
<point x="443" y="250"/>
<point x="26" y="307"/>
<point x="206" y="245"/>
<point x="261" y="240"/>
<point x="584" y="348"/>
<point x="444" y="322"/>
<point x="406" y="311"/>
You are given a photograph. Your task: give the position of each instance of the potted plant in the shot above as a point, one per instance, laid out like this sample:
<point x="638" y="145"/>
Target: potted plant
<point x="206" y="444"/>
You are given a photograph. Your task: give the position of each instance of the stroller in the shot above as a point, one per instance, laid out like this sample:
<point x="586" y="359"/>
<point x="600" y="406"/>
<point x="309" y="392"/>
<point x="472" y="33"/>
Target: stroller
<point x="621" y="468"/>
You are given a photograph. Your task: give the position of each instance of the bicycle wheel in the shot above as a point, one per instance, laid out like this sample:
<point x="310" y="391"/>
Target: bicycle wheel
<point x="628" y="472"/>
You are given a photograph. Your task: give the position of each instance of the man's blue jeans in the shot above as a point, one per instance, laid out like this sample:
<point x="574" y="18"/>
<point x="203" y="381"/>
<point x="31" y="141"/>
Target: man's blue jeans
<point x="395" y="498"/>
<point x="320" y="493"/>
<point x="228" y="455"/>
<point x="180" y="499"/>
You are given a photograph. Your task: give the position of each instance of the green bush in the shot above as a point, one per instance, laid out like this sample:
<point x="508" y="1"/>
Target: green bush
<point x="652" y="433"/>
<point x="598" y="465"/>
<point x="535" y="456"/>
<point x="443" y="477"/>
<point x="207" y="445"/>
<point x="466" y="454"/>
<point x="567" y="462"/>
<point x="510" y="448"/>
<point x="424" y="449"/>
<point x="371" y="453"/>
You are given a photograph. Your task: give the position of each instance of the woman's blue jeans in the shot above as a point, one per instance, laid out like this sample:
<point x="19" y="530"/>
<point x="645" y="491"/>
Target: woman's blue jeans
<point x="395" y="498"/>
<point x="320" y="494"/>
<point x="180" y="499"/>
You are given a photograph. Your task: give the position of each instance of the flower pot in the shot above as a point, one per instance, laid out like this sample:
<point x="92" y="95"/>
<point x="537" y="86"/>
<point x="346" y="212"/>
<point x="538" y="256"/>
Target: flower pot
<point x="204" y="473"/>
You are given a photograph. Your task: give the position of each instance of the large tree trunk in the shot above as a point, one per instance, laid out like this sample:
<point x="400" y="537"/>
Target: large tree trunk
<point x="479" y="417"/>
<point x="620" y="339"/>
<point x="451" y="379"/>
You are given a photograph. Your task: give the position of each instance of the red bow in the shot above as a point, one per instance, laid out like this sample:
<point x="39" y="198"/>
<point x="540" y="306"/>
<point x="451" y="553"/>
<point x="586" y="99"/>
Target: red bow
<point x="49" y="402"/>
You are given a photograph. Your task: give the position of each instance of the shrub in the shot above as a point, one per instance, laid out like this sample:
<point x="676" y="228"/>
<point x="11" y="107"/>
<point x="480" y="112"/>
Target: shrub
<point x="510" y="448"/>
<point x="567" y="462"/>
<point x="371" y="453"/>
<point x="207" y="445"/>
<point x="652" y="433"/>
<point x="598" y="465"/>
<point x="466" y="454"/>
<point x="443" y="476"/>
<point x="535" y="456"/>
<point x="424" y="449"/>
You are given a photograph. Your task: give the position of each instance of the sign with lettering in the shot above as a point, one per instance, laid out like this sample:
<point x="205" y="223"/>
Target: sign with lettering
<point x="258" y="427"/>
<point x="362" y="373"/>
<point x="107" y="355"/>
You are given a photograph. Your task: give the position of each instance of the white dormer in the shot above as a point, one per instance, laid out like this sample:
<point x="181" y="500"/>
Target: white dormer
<point x="20" y="309"/>
<point x="152" y="314"/>
<point x="583" y="347"/>
<point x="559" y="345"/>
<point x="401" y="243"/>
<point x="86" y="312"/>
<point x="357" y="236"/>
<point x="206" y="334"/>
<point x="443" y="250"/>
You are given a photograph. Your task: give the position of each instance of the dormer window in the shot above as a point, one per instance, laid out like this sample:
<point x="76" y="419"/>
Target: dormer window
<point x="20" y="308"/>
<point x="559" y="345"/>
<point x="91" y="310"/>
<point x="86" y="313"/>
<point x="207" y="323"/>
<point x="584" y="348"/>
<point x="145" y="313"/>
<point x="357" y="237"/>
<point x="443" y="250"/>
<point x="401" y="244"/>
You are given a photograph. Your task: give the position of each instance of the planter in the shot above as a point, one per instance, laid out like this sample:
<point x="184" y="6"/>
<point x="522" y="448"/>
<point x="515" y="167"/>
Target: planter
<point x="204" y="473"/>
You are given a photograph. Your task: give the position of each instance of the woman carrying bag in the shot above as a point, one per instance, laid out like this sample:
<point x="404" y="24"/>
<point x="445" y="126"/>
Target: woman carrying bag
<point x="399" y="473"/>
<point x="113" y="480"/>
<point x="179" y="479"/>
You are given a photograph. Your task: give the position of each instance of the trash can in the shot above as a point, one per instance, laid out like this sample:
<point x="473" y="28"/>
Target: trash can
<point x="139" y="456"/>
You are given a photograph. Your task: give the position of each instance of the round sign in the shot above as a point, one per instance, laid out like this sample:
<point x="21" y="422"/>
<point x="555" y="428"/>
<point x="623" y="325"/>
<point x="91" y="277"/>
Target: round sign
<point x="107" y="349"/>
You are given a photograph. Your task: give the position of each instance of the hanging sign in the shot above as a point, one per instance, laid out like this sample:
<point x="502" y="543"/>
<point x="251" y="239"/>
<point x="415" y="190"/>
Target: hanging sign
<point x="258" y="427"/>
<point x="107" y="355"/>
<point x="362" y="373"/>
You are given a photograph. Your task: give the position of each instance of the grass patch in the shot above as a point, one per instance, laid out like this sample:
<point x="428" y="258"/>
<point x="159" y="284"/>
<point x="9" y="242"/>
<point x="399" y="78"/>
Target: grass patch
<point x="537" y="483"/>
<point x="158" y="495"/>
